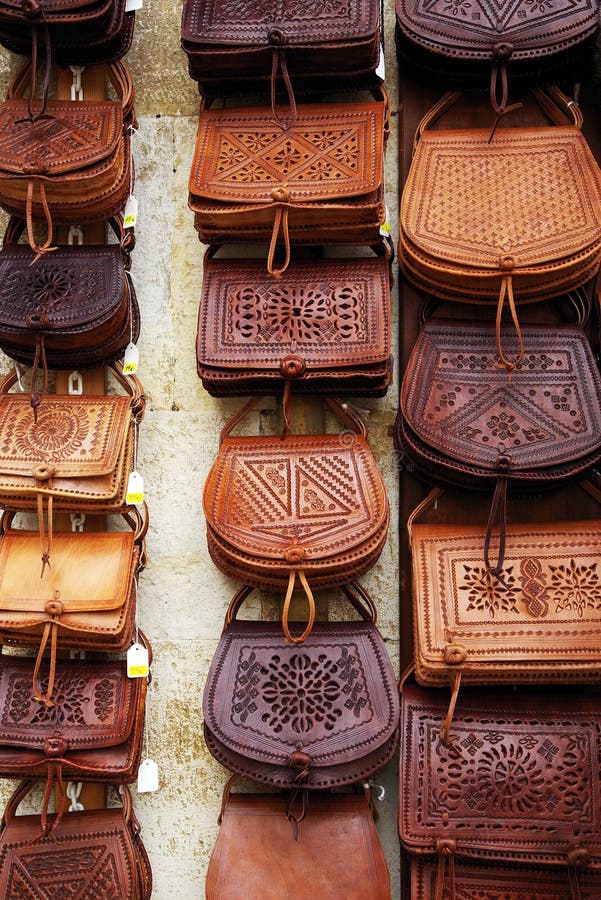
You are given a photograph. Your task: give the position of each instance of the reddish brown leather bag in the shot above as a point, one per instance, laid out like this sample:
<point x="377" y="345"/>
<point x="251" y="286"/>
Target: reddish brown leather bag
<point x="517" y="784"/>
<point x="323" y="327"/>
<point x="315" y="178"/>
<point x="42" y="178"/>
<point x="315" y="716"/>
<point x="311" y="508"/>
<point x="93" y="853"/>
<point x="260" y="854"/>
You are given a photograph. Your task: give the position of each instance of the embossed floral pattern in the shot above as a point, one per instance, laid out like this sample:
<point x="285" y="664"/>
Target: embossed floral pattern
<point x="576" y="588"/>
<point x="503" y="425"/>
<point x="104" y="699"/>
<point x="58" y="433"/>
<point x="487" y="592"/>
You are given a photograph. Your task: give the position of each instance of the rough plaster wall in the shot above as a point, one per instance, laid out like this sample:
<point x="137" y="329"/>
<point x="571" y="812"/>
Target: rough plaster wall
<point x="182" y="596"/>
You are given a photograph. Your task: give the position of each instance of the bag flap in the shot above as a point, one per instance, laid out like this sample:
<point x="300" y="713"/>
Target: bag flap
<point x="77" y="437"/>
<point x="67" y="10"/>
<point x="247" y="23"/>
<point x="334" y="698"/>
<point x="331" y="151"/>
<point x="543" y="612"/>
<point x="94" y="706"/>
<point x="455" y="397"/>
<point x="70" y="287"/>
<point x="90" y="572"/>
<point x="530" y="29"/>
<point x="327" y="314"/>
<point x="477" y="204"/>
<point x="73" y="137"/>
<point x="321" y="494"/>
<point x="522" y="782"/>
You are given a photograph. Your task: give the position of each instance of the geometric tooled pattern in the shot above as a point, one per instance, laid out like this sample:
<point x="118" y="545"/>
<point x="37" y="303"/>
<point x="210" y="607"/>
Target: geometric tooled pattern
<point x="78" y="873"/>
<point x="281" y="10"/>
<point x="79" y="702"/>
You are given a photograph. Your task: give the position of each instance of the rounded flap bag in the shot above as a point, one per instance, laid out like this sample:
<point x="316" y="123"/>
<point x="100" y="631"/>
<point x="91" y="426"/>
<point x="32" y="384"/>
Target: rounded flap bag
<point x="313" y="716"/>
<point x="260" y="852"/>
<point x="89" y="853"/>
<point x="311" y="508"/>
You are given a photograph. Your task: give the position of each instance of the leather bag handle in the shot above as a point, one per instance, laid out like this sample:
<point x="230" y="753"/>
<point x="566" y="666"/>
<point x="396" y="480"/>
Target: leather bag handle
<point x="125" y="236"/>
<point x="25" y="787"/>
<point x="342" y="410"/>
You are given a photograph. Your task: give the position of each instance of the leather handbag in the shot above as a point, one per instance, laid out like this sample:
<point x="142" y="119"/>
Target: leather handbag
<point x="494" y="42"/>
<point x="259" y="853"/>
<point x="74" y="309"/>
<point x="90" y="730"/>
<point x="323" y="327"/>
<point x="482" y="220"/>
<point x="85" y="600"/>
<point x="315" y="178"/>
<point x="516" y="785"/>
<point x="68" y="32"/>
<point x="91" y="853"/>
<point x="42" y="179"/>
<point x="296" y="40"/>
<point x="311" y="508"/>
<point x="316" y="716"/>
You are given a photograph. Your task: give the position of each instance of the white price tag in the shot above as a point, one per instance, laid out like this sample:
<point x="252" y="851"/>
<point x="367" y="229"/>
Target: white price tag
<point x="137" y="661"/>
<point x="130" y="215"/>
<point x="130" y="360"/>
<point x="381" y="67"/>
<point x="148" y="777"/>
<point x="135" y="488"/>
<point x="133" y="5"/>
<point x="385" y="226"/>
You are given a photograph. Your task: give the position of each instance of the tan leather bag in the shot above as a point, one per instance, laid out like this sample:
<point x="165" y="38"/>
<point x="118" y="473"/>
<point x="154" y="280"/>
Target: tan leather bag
<point x="317" y="178"/>
<point x="262" y="851"/>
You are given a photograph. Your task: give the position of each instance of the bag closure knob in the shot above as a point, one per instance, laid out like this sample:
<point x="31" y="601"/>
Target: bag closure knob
<point x="54" y="607"/>
<point x="294" y="554"/>
<point x="292" y="367"/>
<point x="502" y="50"/>
<point x="455" y="655"/>
<point x="507" y="263"/>
<point x="31" y="8"/>
<point x="43" y="472"/>
<point x="55" y="746"/>
<point x="280" y="194"/>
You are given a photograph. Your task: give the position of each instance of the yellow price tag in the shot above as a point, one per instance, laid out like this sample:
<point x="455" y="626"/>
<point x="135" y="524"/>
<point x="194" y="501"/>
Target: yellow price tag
<point x="137" y="661"/>
<point x="135" y="488"/>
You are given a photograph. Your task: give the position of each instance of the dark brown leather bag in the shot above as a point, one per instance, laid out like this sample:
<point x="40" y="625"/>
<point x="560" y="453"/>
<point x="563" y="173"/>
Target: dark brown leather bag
<point x="315" y="716"/>
<point x="261" y="853"/>
<point x="517" y="784"/>
<point x="74" y="309"/>
<point x="315" y="178"/>
<point x="323" y="327"/>
<point x="42" y="179"/>
<point x="92" y="853"/>
<point x="311" y="508"/>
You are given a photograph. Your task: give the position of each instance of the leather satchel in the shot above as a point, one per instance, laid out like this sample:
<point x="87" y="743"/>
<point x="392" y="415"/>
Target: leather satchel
<point x="316" y="716"/>
<point x="259" y="852"/>
<point x="315" y="178"/>
<point x="311" y="508"/>
<point x="323" y="327"/>
<point x="516" y="785"/>
<point x="297" y="40"/>
<point x="92" y="853"/>
<point x="74" y="309"/>
<point x="482" y="220"/>
<point x="42" y="178"/>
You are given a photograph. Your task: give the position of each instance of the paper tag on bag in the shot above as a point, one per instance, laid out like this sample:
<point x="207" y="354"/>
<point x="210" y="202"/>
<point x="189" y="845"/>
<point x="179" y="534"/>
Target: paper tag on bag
<point x="130" y="360"/>
<point x="381" y="67"/>
<point x="385" y="226"/>
<point x="133" y="5"/>
<point x="137" y="661"/>
<point x="135" y="488"/>
<point x="130" y="215"/>
<point x="148" y="777"/>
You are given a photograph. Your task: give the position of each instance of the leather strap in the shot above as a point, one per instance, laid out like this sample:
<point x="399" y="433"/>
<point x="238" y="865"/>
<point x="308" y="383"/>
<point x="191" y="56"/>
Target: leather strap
<point x="280" y="222"/>
<point x="421" y="508"/>
<point x="290" y="639"/>
<point x="506" y="292"/>
<point x="342" y="410"/>
<point x="446" y="859"/>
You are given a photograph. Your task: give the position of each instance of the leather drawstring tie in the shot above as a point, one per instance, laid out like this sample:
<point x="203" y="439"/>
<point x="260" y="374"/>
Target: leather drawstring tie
<point x="44" y="473"/>
<point x="499" y="81"/>
<point x="36" y="397"/>
<point x="50" y="629"/>
<point x="294" y="574"/>
<point x="454" y="656"/>
<point x="281" y="196"/>
<point x="38" y="249"/>
<point x="34" y="72"/>
<point x="506" y="292"/>
<point x="278" y="60"/>
<point x="55" y="777"/>
<point x="294" y="819"/>
<point x="578" y="858"/>
<point x="446" y="859"/>
<point x="498" y="511"/>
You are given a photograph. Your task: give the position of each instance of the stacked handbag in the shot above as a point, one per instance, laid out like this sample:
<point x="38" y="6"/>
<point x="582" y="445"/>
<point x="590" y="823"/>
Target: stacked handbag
<point x="68" y="576"/>
<point x="505" y="589"/>
<point x="308" y="708"/>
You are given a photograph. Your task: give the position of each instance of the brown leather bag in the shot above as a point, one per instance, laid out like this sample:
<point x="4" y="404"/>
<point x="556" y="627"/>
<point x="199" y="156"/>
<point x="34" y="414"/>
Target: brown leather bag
<point x="315" y="178"/>
<point x="92" y="853"/>
<point x="517" y="784"/>
<point x="261" y="853"/>
<point x="41" y="177"/>
<point x="74" y="309"/>
<point x="323" y="327"/>
<point x="482" y="220"/>
<point x="85" y="600"/>
<point x="315" y="716"/>
<point x="311" y="508"/>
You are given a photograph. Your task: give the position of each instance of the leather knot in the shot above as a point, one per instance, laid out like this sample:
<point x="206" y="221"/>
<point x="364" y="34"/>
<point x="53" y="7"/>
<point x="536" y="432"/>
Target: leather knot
<point x="455" y="655"/>
<point x="507" y="263"/>
<point x="43" y="472"/>
<point x="294" y="554"/>
<point x="579" y="856"/>
<point x="503" y="462"/>
<point x="55" y="746"/>
<point x="37" y="320"/>
<point x="277" y="37"/>
<point x="502" y="50"/>
<point x="281" y="194"/>
<point x="292" y="367"/>
<point x="446" y="846"/>
<point x="31" y="8"/>
<point x="35" y="168"/>
<point x="298" y="759"/>
<point x="54" y="607"/>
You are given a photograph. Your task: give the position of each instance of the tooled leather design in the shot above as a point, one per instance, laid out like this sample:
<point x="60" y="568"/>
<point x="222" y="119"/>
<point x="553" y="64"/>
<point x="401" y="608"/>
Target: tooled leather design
<point x="69" y="138"/>
<point x="456" y="205"/>
<point x="472" y="28"/>
<point x="79" y="702"/>
<point x="456" y="399"/>
<point x="520" y="778"/>
<point x="322" y="494"/>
